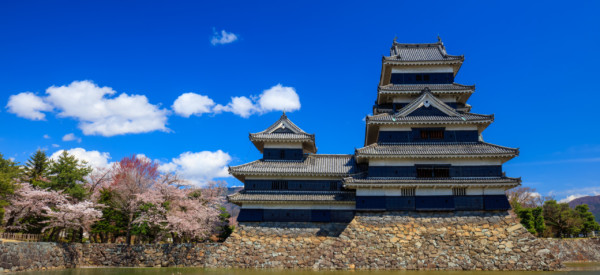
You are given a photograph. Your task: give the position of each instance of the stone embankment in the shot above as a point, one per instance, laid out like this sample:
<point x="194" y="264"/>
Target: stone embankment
<point x="574" y="250"/>
<point x="392" y="240"/>
<point x="401" y="240"/>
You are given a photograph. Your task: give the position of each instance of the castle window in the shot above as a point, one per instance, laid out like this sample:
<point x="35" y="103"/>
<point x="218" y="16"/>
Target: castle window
<point x="433" y="171"/>
<point x="441" y="172"/>
<point x="432" y="134"/>
<point x="282" y="154"/>
<point x="418" y="77"/>
<point x="408" y="192"/>
<point x="462" y="191"/>
<point x="279" y="185"/>
<point x="426" y="77"/>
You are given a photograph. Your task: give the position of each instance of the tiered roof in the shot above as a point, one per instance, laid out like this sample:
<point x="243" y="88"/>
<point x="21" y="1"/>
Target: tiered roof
<point x="402" y="52"/>
<point x="463" y="92"/>
<point x="436" y="150"/>
<point x="284" y="130"/>
<point x="312" y="165"/>
<point x="404" y="116"/>
<point x="305" y="197"/>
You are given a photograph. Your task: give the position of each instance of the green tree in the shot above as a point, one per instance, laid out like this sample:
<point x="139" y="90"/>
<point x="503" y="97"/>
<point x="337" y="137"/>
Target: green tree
<point x="9" y="172"/>
<point x="113" y="222"/>
<point x="226" y="229"/>
<point x="527" y="219"/>
<point x="68" y="174"/>
<point x="37" y="167"/>
<point x="561" y="220"/>
<point x="588" y="222"/>
<point x="538" y="220"/>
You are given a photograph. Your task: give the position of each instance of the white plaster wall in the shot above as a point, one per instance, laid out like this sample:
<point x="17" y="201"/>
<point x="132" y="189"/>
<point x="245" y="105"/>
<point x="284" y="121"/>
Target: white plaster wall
<point x="433" y="192"/>
<point x="288" y="145"/>
<point x="494" y="191"/>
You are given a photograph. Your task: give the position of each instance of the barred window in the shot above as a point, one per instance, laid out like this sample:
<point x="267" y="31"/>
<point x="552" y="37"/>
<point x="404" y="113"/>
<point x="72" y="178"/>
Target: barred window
<point x="279" y="185"/>
<point x="432" y="134"/>
<point x="462" y="191"/>
<point x="408" y="192"/>
<point x="433" y="171"/>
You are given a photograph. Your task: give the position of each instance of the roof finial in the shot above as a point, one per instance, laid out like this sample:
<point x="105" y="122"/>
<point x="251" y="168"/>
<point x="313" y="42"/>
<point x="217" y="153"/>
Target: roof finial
<point x="283" y="115"/>
<point x="439" y="38"/>
<point x="395" y="38"/>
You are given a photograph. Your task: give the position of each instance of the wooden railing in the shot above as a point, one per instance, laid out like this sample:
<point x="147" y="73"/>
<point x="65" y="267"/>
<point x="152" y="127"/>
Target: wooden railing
<point x="21" y="237"/>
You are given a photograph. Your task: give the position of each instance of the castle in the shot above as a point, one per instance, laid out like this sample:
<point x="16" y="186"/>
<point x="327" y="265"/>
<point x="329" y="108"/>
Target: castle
<point x="423" y="151"/>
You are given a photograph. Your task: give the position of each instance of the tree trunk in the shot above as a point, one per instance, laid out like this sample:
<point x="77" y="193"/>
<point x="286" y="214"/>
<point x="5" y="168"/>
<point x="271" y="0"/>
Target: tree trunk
<point x="128" y="236"/>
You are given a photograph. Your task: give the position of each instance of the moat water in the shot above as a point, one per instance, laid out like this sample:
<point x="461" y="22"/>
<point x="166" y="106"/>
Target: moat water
<point x="575" y="269"/>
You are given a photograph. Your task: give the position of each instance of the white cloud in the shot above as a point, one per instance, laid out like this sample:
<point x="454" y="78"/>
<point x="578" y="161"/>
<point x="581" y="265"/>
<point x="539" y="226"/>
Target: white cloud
<point x="276" y="98"/>
<point x="28" y="105"/>
<point x="46" y="136"/>
<point x="192" y="104"/>
<point x="239" y="105"/>
<point x="200" y="167"/>
<point x="71" y="137"/>
<point x="94" y="107"/>
<point x="279" y="98"/>
<point x="223" y="37"/>
<point x="55" y="145"/>
<point x="95" y="159"/>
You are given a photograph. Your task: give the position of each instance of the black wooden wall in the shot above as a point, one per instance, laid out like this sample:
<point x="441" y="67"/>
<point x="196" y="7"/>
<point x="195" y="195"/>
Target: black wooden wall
<point x="414" y="135"/>
<point x="295" y="185"/>
<point x="422" y="78"/>
<point x="455" y="171"/>
<point x="432" y="203"/>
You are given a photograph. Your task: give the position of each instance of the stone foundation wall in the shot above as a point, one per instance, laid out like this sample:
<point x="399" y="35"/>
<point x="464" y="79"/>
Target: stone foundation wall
<point x="574" y="250"/>
<point x="394" y="240"/>
<point x="391" y="240"/>
<point x="36" y="256"/>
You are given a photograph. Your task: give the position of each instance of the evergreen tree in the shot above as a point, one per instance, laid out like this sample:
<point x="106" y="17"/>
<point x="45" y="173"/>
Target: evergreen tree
<point x="527" y="219"/>
<point x="36" y="168"/>
<point x="588" y="223"/>
<point x="68" y="174"/>
<point x="538" y="220"/>
<point x="9" y="172"/>
<point x="561" y="220"/>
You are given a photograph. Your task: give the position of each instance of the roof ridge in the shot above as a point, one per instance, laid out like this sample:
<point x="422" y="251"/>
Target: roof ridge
<point x="412" y="106"/>
<point x="334" y="155"/>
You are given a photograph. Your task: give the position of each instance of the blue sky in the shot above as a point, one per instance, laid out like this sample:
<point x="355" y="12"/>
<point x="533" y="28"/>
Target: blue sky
<point x="534" y="64"/>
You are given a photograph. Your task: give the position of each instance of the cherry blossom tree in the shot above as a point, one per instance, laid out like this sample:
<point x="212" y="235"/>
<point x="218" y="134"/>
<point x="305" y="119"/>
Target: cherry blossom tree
<point x="132" y="178"/>
<point x="75" y="218"/>
<point x="28" y="205"/>
<point x="184" y="213"/>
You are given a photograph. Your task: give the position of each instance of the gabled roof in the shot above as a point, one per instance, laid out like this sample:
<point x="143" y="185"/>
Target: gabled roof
<point x="312" y="165"/>
<point x="314" y="197"/>
<point x="421" y="52"/>
<point x="436" y="150"/>
<point x="447" y="114"/>
<point x="284" y="130"/>
<point x="387" y="92"/>
<point x="426" y="99"/>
